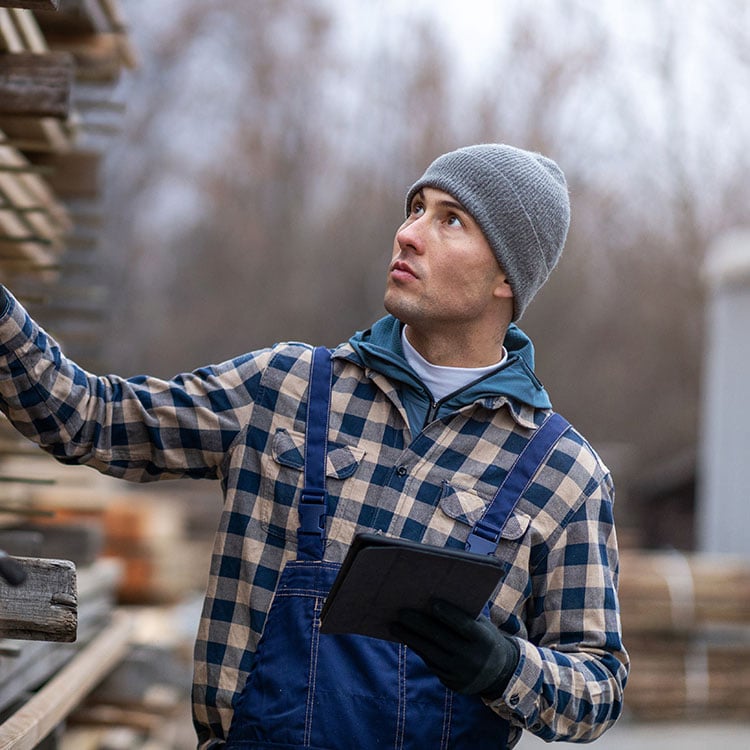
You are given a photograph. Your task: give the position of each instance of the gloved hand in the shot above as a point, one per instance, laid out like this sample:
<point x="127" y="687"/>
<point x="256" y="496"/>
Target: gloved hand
<point x="467" y="655"/>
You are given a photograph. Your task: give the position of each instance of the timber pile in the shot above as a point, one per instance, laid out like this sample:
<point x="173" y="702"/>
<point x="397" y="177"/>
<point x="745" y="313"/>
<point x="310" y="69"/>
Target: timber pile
<point x="117" y="546"/>
<point x="59" y="64"/>
<point x="686" y="620"/>
<point x="76" y="513"/>
<point x="68" y="649"/>
<point x="126" y="669"/>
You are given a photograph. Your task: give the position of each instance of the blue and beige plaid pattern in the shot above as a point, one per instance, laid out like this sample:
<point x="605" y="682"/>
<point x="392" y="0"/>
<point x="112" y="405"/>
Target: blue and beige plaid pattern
<point x="243" y="422"/>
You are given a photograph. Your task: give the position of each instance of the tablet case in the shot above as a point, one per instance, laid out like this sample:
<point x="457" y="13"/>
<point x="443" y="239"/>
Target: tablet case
<point x="381" y="575"/>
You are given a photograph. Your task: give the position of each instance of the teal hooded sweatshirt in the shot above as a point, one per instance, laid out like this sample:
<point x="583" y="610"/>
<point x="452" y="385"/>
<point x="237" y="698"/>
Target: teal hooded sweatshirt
<point x="380" y="349"/>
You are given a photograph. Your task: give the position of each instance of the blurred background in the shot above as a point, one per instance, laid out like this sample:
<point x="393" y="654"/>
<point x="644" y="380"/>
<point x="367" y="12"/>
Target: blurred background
<point x="266" y="148"/>
<point x="257" y="156"/>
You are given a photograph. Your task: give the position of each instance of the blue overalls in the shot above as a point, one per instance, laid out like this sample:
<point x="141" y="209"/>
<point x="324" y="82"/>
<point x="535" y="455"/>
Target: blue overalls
<point x="350" y="692"/>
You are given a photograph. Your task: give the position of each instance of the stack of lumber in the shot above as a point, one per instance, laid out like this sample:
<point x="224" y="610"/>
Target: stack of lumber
<point x="63" y="633"/>
<point x="686" y="621"/>
<point x="59" y="66"/>
<point x="82" y="515"/>
<point x="112" y="546"/>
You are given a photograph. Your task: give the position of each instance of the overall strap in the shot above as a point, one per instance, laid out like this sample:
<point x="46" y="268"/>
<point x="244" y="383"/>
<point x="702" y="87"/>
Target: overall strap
<point x="312" y="506"/>
<point x="485" y="535"/>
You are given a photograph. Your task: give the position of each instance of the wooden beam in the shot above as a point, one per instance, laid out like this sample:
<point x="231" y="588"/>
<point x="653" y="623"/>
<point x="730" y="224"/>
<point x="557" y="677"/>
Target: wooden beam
<point x="9" y="36"/>
<point x="45" y="606"/>
<point x="74" y="174"/>
<point x="31" y="189"/>
<point x="36" y="85"/>
<point x="31" y="35"/>
<point x="41" y="714"/>
<point x="31" y="4"/>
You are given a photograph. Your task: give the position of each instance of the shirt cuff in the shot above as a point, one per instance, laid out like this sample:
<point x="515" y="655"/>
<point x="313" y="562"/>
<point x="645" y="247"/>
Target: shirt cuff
<point x="521" y="696"/>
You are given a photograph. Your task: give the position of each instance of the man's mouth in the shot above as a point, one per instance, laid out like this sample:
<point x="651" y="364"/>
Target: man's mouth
<point x="402" y="271"/>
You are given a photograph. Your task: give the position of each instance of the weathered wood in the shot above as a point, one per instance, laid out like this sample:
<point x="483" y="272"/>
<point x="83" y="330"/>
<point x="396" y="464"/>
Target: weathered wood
<point x="36" y="85"/>
<point x="31" y="4"/>
<point x="34" y="662"/>
<point x="45" y="606"/>
<point x="32" y="723"/>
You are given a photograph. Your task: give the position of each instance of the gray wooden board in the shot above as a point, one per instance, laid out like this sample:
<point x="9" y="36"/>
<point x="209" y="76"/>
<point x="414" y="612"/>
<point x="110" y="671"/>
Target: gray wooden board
<point x="44" y="606"/>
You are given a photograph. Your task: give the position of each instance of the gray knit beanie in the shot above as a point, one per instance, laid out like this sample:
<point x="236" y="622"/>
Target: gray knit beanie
<point x="518" y="198"/>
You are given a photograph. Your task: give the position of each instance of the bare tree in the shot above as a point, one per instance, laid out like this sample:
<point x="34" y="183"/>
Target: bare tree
<point x="270" y="145"/>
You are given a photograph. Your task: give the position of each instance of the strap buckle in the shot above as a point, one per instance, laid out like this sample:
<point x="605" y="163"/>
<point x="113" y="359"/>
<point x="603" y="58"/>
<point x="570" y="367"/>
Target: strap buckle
<point x="312" y="511"/>
<point x="483" y="539"/>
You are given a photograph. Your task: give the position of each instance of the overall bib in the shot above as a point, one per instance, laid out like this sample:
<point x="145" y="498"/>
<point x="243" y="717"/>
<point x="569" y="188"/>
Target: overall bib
<point x="349" y="692"/>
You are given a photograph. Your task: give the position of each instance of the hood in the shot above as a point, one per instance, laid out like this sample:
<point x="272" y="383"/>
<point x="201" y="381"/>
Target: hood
<point x="379" y="348"/>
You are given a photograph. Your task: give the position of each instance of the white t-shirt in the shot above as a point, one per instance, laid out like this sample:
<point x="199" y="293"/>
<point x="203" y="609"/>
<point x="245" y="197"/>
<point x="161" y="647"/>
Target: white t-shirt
<point x="442" y="381"/>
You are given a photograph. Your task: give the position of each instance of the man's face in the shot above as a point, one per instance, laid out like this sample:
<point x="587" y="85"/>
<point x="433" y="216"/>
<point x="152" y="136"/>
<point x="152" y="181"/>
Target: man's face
<point x="443" y="273"/>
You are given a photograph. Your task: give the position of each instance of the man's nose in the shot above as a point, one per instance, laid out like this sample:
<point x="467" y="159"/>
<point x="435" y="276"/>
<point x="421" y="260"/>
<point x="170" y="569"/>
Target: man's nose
<point x="410" y="235"/>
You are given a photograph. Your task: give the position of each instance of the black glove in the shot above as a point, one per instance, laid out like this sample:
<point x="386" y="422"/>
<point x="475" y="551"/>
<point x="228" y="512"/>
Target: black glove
<point x="467" y="655"/>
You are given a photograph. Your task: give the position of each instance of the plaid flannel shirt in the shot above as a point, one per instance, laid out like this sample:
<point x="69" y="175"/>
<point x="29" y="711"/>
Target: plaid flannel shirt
<point x="243" y="422"/>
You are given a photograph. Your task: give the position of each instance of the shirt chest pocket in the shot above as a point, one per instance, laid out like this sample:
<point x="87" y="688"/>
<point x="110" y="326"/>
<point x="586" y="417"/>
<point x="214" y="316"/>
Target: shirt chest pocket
<point x="465" y="507"/>
<point x="283" y="479"/>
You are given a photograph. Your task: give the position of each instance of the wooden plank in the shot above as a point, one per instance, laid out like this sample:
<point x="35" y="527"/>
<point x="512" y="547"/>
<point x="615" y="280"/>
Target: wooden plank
<point x="34" y="662"/>
<point x="31" y="4"/>
<point x="29" y="30"/>
<point x="32" y="723"/>
<point x="75" y="174"/>
<point x="10" y="39"/>
<point x="19" y="248"/>
<point x="45" y="606"/>
<point x="36" y="85"/>
<point x="32" y="189"/>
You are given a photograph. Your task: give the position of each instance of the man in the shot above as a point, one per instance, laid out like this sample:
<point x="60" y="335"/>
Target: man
<point x="431" y="411"/>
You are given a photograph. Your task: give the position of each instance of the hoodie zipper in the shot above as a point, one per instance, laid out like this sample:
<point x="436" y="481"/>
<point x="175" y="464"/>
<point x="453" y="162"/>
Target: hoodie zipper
<point x="431" y="413"/>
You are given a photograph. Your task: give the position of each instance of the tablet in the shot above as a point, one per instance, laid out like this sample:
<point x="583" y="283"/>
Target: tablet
<point x="381" y="575"/>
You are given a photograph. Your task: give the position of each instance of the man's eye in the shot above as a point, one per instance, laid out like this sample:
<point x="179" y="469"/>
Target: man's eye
<point x="417" y="208"/>
<point x="454" y="221"/>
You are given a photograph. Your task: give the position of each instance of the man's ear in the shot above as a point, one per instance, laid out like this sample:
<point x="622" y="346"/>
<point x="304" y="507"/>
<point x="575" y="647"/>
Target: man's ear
<point x="503" y="290"/>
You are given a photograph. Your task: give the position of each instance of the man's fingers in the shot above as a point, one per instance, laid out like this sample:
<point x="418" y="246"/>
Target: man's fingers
<point x="455" y="618"/>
